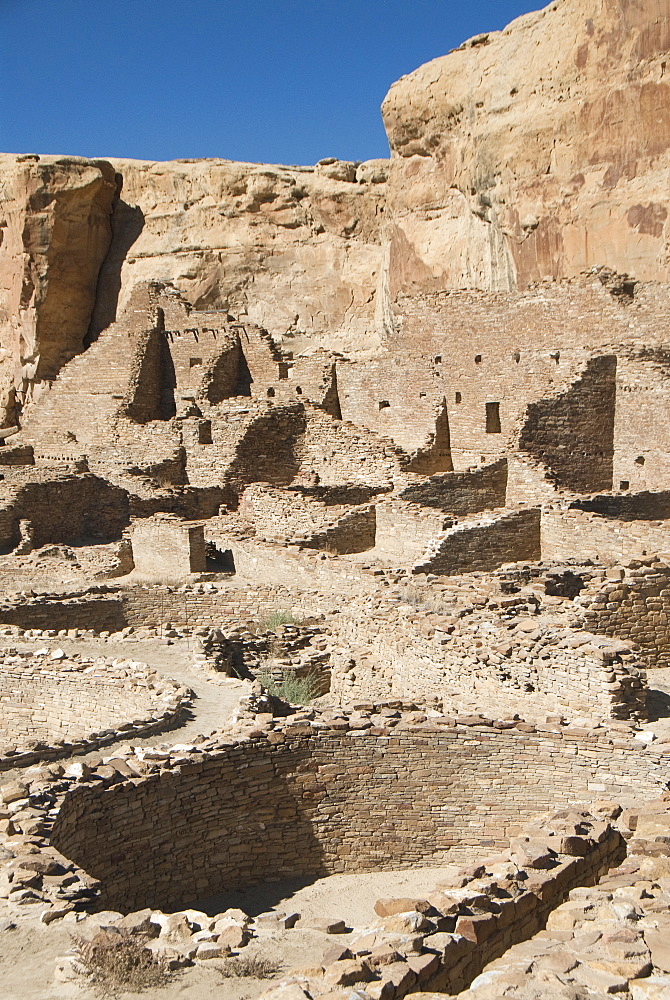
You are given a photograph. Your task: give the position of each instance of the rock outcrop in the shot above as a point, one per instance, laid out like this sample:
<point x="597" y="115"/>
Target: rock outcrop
<point x="54" y="234"/>
<point x="540" y="150"/>
<point x="295" y="250"/>
<point x="537" y="152"/>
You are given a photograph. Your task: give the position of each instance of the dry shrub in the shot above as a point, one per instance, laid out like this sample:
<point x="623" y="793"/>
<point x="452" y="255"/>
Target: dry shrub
<point x="116" y="963"/>
<point x="253" y="967"/>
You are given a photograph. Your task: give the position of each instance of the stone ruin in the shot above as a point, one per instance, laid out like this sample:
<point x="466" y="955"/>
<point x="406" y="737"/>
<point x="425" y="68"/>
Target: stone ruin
<point x="397" y="430"/>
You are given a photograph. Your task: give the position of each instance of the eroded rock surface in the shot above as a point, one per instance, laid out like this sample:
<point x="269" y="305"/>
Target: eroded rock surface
<point x="540" y="150"/>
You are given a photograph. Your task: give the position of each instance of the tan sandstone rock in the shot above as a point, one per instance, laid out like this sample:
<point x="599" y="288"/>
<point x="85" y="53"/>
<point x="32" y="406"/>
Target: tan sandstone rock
<point x="539" y="150"/>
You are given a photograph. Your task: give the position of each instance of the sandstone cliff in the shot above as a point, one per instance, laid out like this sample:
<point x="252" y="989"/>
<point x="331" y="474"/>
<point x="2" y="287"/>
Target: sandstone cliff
<point x="537" y="152"/>
<point x="295" y="250"/>
<point x="54" y="234"/>
<point x="540" y="150"/>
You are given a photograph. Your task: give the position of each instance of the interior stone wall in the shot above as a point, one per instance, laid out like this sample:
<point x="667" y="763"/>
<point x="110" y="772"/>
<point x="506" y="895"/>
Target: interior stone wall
<point x="61" y="508"/>
<point x="483" y="544"/>
<point x="298" y="804"/>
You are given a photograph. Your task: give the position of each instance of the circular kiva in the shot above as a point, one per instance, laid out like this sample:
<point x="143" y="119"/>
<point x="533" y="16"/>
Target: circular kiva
<point x="299" y="796"/>
<point x="53" y="706"/>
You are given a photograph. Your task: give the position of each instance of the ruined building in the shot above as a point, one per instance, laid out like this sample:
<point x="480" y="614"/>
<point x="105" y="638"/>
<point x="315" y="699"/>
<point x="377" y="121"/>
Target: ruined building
<point x="419" y="405"/>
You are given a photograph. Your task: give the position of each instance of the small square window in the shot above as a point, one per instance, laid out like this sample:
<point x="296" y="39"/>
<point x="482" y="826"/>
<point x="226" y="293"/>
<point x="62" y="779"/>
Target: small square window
<point x="383" y="404"/>
<point x="194" y="362"/>
<point x="624" y="484"/>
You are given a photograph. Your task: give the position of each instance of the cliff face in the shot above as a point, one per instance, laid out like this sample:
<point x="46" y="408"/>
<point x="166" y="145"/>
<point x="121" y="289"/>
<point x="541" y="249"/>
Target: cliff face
<point x="295" y="250"/>
<point x="538" y="151"/>
<point x="54" y="234"/>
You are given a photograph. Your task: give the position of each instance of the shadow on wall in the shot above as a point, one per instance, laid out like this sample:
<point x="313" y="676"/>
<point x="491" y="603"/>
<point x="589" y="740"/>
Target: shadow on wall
<point x="462" y="493"/>
<point x="316" y="804"/>
<point x="270" y="450"/>
<point x="644" y="506"/>
<point x="263" y="830"/>
<point x="573" y="433"/>
<point x="127" y="224"/>
<point x="71" y="509"/>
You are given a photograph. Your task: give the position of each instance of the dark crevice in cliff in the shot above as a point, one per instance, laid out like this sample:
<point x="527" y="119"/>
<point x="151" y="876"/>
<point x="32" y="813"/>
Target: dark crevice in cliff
<point x="127" y="222"/>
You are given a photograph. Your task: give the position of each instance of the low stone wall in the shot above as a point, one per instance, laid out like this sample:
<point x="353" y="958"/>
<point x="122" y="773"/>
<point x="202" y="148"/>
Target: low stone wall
<point x="528" y="665"/>
<point x="56" y="707"/>
<point x="88" y="612"/>
<point x="462" y="493"/>
<point x="568" y="531"/>
<point x="354" y="531"/>
<point x="405" y="530"/>
<point x="485" y="544"/>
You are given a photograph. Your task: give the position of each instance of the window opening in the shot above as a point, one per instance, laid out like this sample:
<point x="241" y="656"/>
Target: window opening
<point x="493" y="418"/>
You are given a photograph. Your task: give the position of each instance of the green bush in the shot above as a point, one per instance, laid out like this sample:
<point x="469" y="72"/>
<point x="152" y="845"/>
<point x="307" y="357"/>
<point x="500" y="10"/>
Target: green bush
<point x="295" y="690"/>
<point x="276" y="619"/>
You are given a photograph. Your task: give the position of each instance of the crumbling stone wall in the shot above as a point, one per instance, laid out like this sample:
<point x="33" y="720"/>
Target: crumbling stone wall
<point x="296" y="804"/>
<point x="354" y="531"/>
<point x="633" y="604"/>
<point x="461" y="493"/>
<point x="565" y="532"/>
<point x="540" y="665"/>
<point x="507" y="536"/>
<point x="573" y="433"/>
<point x="61" y="508"/>
<point x="405" y="530"/>
<point x="339" y="452"/>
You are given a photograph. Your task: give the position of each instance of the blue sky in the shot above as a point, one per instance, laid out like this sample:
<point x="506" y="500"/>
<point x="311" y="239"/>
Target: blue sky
<point x="288" y="81"/>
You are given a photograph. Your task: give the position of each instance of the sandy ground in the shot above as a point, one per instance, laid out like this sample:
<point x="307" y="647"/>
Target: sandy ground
<point x="28" y="951"/>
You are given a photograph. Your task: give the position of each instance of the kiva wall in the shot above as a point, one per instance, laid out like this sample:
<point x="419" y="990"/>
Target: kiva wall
<point x="319" y="804"/>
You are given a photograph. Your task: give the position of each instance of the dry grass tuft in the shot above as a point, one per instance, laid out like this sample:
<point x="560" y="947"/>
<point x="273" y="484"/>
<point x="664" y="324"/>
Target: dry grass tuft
<point x="249" y="968"/>
<point x="115" y="964"/>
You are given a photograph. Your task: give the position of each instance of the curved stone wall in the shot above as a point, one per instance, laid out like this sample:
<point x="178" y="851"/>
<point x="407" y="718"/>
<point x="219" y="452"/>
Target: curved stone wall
<point x="51" y="707"/>
<point x="316" y="801"/>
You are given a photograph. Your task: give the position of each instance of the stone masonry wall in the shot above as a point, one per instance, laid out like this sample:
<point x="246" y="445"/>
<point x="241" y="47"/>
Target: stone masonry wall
<point x="565" y="532"/>
<point x="297" y="804"/>
<point x="405" y="530"/>
<point x="485" y="544"/>
<point x="354" y="531"/>
<point x="49" y="701"/>
<point x="61" y="508"/>
<point x="462" y="493"/>
<point x="526" y="666"/>
<point x="634" y="605"/>
<point x="573" y="433"/>
<point x="166" y="546"/>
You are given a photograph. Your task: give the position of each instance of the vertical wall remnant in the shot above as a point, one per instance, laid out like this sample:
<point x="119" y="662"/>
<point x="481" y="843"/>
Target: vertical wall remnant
<point x="573" y="434"/>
